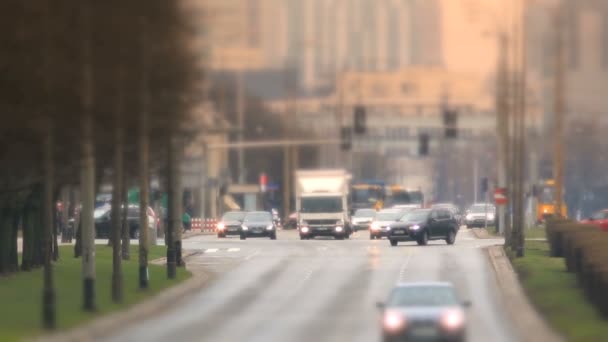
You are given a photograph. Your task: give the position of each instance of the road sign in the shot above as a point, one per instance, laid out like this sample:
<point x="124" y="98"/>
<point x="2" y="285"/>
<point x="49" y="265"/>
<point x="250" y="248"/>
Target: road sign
<point x="500" y="196"/>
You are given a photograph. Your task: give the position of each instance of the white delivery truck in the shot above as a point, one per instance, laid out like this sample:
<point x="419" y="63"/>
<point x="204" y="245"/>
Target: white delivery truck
<point x="322" y="203"/>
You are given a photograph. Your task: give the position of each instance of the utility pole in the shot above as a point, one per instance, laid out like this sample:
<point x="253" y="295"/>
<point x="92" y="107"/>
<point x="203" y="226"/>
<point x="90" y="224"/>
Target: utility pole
<point x="560" y="107"/>
<point x="502" y="125"/>
<point x="240" y="111"/>
<point x="520" y="65"/>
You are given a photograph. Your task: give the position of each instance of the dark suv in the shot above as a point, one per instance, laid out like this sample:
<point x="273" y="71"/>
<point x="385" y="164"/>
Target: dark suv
<point x="423" y="225"/>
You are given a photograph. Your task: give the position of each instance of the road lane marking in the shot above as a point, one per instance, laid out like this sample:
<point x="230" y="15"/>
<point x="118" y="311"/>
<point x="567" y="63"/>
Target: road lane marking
<point x="403" y="269"/>
<point x="211" y="250"/>
<point x="231" y="250"/>
<point x="251" y="256"/>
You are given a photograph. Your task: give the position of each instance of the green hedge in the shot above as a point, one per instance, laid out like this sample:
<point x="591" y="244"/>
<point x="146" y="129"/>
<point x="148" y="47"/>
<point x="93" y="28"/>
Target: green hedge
<point x="585" y="251"/>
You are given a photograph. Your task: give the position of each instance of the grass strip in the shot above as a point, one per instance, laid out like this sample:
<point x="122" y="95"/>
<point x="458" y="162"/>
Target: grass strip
<point x="21" y="294"/>
<point x="556" y="294"/>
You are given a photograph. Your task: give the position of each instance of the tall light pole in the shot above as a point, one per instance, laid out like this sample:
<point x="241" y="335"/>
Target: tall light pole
<point x="502" y="125"/>
<point x="560" y="107"/>
<point x="240" y="110"/>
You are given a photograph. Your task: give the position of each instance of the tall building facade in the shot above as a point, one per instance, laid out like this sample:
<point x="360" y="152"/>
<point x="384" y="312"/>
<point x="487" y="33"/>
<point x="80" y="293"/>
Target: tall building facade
<point x="326" y="37"/>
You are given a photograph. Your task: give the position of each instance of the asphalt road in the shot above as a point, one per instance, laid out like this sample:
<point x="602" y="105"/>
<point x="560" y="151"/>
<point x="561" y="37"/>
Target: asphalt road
<point x="319" y="290"/>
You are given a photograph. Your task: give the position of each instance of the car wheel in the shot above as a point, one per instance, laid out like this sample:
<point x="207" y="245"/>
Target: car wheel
<point x="371" y="237"/>
<point x="423" y="240"/>
<point x="394" y="243"/>
<point x="339" y="237"/>
<point x="302" y="237"/>
<point x="243" y="237"/>
<point x="273" y="236"/>
<point x="220" y="236"/>
<point x="451" y="238"/>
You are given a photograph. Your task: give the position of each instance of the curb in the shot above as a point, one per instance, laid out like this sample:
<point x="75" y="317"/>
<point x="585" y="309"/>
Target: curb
<point x="526" y="320"/>
<point x="481" y="233"/>
<point x="105" y="325"/>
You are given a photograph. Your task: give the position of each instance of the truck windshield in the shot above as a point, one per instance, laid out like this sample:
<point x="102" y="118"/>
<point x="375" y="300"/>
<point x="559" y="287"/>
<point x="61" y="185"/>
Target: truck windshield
<point x="321" y="205"/>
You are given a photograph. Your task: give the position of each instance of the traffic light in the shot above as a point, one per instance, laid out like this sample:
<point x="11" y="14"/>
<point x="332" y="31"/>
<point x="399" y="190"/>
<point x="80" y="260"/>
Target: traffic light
<point x="347" y="138"/>
<point x="360" y="120"/>
<point x="423" y="144"/>
<point x="450" y="123"/>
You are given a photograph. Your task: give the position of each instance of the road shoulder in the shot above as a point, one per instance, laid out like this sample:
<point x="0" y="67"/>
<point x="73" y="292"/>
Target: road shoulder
<point x="528" y="322"/>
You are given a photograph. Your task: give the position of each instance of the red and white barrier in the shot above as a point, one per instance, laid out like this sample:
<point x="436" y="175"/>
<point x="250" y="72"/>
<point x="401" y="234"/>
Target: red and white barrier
<point x="197" y="223"/>
<point x="204" y="225"/>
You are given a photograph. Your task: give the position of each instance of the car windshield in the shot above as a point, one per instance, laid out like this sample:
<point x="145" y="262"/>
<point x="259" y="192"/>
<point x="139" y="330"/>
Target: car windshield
<point x="478" y="209"/>
<point x="234" y="216"/>
<point x="600" y="215"/>
<point x="365" y="213"/>
<point x="388" y="216"/>
<point x="416" y="216"/>
<point x="422" y="296"/>
<point x="258" y="217"/>
<point x="321" y="205"/>
<point x="366" y="195"/>
<point x="99" y="212"/>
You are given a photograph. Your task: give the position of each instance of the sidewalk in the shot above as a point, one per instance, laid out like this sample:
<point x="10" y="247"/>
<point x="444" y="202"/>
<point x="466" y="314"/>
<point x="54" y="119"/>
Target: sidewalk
<point x="528" y="322"/>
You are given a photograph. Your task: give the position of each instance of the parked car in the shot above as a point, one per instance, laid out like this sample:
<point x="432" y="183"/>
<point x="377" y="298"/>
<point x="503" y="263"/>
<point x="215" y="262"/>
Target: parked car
<point x="423" y="225"/>
<point x="423" y="312"/>
<point x="363" y="218"/>
<point x="380" y="226"/>
<point x="479" y="213"/>
<point x="600" y="219"/>
<point x="230" y="224"/>
<point x="103" y="221"/>
<point x="258" y="224"/>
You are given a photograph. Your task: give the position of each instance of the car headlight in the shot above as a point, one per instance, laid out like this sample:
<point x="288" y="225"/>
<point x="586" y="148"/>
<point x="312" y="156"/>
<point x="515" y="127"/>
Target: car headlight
<point x="304" y="229"/>
<point x="490" y="217"/>
<point x="415" y="227"/>
<point x="393" y="321"/>
<point x="270" y="227"/>
<point x="452" y="320"/>
<point x="375" y="226"/>
<point x="339" y="229"/>
<point x="388" y="228"/>
<point x="469" y="217"/>
<point x="221" y="226"/>
<point x="245" y="227"/>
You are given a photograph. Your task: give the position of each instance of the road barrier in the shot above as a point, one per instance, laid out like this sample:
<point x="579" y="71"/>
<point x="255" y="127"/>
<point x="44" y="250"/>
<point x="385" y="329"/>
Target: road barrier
<point x="583" y="247"/>
<point x="204" y="225"/>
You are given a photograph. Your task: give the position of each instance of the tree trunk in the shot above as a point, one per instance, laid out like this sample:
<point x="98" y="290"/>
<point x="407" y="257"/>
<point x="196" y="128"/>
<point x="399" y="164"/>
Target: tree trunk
<point x="48" y="220"/>
<point x="4" y="234"/>
<point x="174" y="254"/>
<point x="87" y="179"/>
<point x="126" y="234"/>
<point x="13" y="220"/>
<point x="117" y="277"/>
<point x="144" y="182"/>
